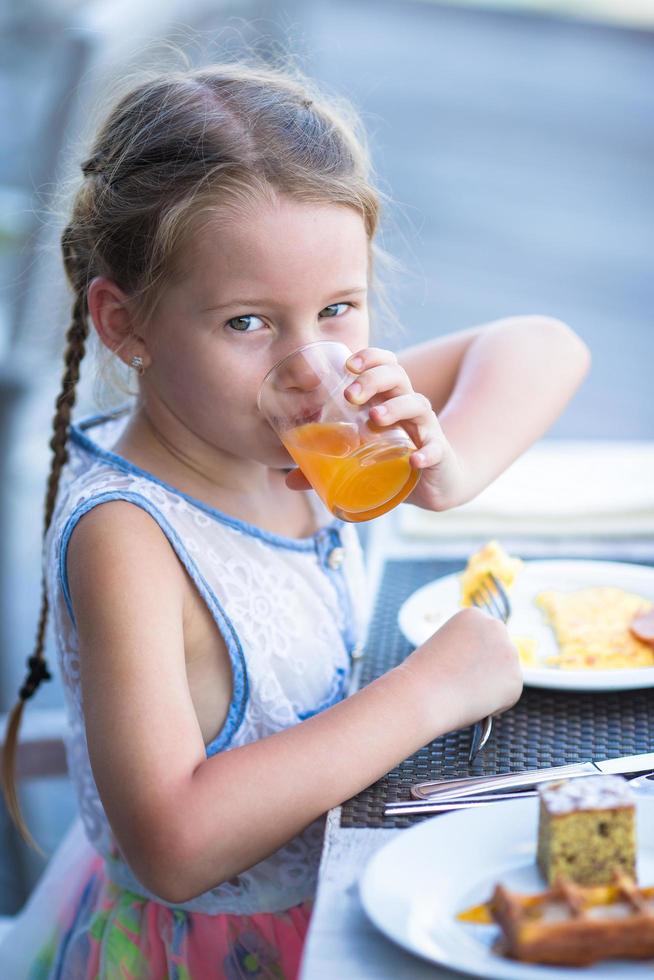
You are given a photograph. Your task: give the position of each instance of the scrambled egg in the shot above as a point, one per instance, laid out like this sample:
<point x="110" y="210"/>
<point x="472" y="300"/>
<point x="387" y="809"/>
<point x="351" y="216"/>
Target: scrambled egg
<point x="592" y="628"/>
<point x="491" y="558"/>
<point x="526" y="647"/>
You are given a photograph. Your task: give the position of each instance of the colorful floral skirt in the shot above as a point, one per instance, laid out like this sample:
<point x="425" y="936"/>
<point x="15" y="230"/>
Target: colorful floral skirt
<point x="103" y="932"/>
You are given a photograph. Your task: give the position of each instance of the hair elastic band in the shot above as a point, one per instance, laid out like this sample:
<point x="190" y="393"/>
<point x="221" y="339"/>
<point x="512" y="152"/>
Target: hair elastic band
<point x="38" y="672"/>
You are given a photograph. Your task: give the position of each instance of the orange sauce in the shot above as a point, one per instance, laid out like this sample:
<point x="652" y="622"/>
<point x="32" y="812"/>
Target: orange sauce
<point x="479" y="914"/>
<point x="357" y="478"/>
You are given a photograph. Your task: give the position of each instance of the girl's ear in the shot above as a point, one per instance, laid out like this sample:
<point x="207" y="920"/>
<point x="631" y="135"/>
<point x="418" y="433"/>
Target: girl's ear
<point x="110" y="311"/>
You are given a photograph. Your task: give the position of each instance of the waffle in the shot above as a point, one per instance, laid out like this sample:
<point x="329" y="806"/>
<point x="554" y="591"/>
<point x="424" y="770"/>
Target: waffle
<point x="572" y="925"/>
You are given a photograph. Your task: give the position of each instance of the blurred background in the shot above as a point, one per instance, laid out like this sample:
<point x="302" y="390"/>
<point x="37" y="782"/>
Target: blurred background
<point x="515" y="138"/>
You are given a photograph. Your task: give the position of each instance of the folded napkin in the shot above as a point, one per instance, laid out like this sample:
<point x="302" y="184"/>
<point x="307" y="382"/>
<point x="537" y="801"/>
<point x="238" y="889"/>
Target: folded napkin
<point x="557" y="487"/>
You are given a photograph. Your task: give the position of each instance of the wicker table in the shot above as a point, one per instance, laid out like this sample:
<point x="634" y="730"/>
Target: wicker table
<point x="545" y="728"/>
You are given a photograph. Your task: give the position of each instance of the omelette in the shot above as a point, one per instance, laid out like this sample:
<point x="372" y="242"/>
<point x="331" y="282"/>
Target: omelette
<point x="595" y="628"/>
<point x="592" y="628"/>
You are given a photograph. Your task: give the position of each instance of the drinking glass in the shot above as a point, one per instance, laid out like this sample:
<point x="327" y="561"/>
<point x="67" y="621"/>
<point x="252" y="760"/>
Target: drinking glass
<point x="359" y="469"/>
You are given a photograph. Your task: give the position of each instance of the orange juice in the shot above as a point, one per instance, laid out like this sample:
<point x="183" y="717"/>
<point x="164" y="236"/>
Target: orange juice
<point x="358" y="475"/>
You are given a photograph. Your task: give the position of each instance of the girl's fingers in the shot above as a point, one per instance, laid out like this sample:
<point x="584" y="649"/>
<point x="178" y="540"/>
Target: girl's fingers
<point x="382" y="378"/>
<point x="369" y="357"/>
<point x="379" y="373"/>
<point x="413" y="407"/>
<point x="417" y="415"/>
<point x="296" y="480"/>
<point x="429" y="454"/>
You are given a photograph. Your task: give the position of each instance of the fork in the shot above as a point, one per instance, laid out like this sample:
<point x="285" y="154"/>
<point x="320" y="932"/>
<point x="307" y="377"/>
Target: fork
<point x="490" y="595"/>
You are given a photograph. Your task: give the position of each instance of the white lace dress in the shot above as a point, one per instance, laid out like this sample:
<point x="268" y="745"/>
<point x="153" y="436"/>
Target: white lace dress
<point x="292" y="613"/>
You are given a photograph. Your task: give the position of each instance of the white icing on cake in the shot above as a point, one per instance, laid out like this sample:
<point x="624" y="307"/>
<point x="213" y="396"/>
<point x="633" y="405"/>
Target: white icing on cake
<point x="587" y="793"/>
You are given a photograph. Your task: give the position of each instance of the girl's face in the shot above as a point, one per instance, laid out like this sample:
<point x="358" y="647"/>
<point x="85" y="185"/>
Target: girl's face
<point x="255" y="288"/>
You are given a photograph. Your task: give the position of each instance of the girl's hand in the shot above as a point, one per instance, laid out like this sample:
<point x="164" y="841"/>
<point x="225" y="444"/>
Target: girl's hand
<point x="472" y="655"/>
<point x="381" y="378"/>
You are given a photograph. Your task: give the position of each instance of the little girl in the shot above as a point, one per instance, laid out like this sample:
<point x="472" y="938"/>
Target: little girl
<point x="206" y="613"/>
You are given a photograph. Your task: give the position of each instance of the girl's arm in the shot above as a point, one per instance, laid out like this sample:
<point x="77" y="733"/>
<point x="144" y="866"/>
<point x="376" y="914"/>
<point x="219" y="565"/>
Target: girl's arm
<point x="496" y="389"/>
<point x="184" y="822"/>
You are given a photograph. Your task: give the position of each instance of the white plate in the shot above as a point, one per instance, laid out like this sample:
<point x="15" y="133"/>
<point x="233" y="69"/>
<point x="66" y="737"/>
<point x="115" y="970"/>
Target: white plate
<point x="428" y="608"/>
<point x="414" y="887"/>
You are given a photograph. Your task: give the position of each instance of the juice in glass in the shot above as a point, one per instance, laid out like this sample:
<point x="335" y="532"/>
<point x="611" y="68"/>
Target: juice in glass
<point x="359" y="471"/>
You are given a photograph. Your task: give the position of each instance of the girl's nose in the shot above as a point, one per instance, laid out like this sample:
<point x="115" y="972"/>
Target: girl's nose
<point x="298" y="374"/>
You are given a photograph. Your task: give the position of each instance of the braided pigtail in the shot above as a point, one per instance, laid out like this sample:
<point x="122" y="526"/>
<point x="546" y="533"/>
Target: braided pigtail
<point x="38" y="668"/>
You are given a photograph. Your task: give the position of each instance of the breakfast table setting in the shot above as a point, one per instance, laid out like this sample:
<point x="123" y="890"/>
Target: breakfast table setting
<point x="405" y="857"/>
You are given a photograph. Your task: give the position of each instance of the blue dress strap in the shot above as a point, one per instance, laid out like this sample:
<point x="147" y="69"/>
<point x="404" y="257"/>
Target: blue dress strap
<point x="240" y="686"/>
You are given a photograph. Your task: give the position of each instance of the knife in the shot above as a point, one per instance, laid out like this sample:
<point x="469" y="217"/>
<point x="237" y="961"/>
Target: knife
<point x="401" y="808"/>
<point x="445" y="790"/>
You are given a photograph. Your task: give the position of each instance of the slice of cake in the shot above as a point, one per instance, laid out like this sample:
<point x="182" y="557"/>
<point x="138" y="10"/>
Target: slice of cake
<point x="587" y="830"/>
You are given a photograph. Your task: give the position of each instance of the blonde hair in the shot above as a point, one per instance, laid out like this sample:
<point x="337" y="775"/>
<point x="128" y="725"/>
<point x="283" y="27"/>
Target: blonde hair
<point x="176" y="145"/>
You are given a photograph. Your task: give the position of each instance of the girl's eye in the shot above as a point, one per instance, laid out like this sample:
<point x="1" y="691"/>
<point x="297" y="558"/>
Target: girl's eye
<point x="246" y="324"/>
<point x="336" y="309"/>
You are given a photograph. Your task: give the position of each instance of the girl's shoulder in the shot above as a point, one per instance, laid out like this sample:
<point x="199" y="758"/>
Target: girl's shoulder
<point x="104" y="510"/>
<point x="88" y="471"/>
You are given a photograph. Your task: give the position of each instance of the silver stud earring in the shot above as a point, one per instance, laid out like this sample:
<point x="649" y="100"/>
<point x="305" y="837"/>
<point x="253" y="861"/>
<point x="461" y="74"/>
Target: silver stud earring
<point x="137" y="364"/>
